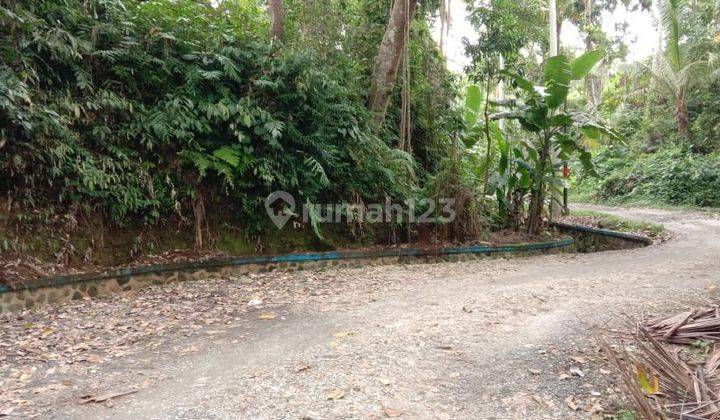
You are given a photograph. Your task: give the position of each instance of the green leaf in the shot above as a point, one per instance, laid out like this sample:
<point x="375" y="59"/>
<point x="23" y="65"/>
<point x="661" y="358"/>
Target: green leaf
<point x="525" y="180"/>
<point x="586" y="161"/>
<point x="228" y="155"/>
<point x="473" y="104"/>
<point x="521" y="82"/>
<point x="558" y="69"/>
<point x="561" y="120"/>
<point x="314" y="219"/>
<point x="590" y="132"/>
<point x="473" y="98"/>
<point x="557" y="79"/>
<point x="504" y="148"/>
<point x="593" y="131"/>
<point x="470" y="139"/>
<point x="581" y="66"/>
<point x="535" y="118"/>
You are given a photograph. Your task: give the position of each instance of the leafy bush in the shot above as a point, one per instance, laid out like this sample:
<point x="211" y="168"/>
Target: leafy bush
<point x="145" y="110"/>
<point x="672" y="175"/>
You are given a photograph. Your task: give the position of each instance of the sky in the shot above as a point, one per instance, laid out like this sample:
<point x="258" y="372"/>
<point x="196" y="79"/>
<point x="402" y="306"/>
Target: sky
<point x="641" y="38"/>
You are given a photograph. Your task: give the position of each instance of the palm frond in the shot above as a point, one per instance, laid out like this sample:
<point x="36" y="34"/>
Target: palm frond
<point x="670" y="13"/>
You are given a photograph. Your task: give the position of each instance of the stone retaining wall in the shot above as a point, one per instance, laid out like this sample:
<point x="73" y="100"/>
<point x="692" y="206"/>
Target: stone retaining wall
<point x="62" y="289"/>
<point x="589" y="239"/>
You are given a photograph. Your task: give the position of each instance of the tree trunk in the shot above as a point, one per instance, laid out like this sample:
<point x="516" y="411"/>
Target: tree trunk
<point x="593" y="84"/>
<point x="681" y="116"/>
<point x="554" y="28"/>
<point x="277" y="16"/>
<point x="200" y="218"/>
<point x="537" y="198"/>
<point x="486" y="172"/>
<point x="387" y="61"/>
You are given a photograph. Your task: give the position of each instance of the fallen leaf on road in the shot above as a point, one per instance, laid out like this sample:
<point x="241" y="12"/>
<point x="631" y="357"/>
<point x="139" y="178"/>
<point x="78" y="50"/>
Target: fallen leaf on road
<point x="467" y="309"/>
<point x="385" y="381"/>
<point x="335" y="394"/>
<point x="570" y="401"/>
<point x="302" y="367"/>
<point x="93" y="358"/>
<point x="392" y="412"/>
<point x="534" y="371"/>
<point x="267" y="315"/>
<point x="105" y="396"/>
<point x="255" y="302"/>
<point x="577" y="372"/>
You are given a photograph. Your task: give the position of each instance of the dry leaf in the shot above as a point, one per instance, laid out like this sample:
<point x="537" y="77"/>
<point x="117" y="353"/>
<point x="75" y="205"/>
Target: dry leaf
<point x="570" y="401"/>
<point x="649" y="383"/>
<point x="579" y="359"/>
<point x="392" y="412"/>
<point x="335" y="394"/>
<point x="267" y="315"/>
<point x="255" y="302"/>
<point x="577" y="372"/>
<point x="105" y="396"/>
<point x="302" y="367"/>
<point x="385" y="381"/>
<point x="93" y="358"/>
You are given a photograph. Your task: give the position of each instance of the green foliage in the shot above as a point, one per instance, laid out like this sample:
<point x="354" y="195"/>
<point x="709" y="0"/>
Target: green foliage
<point x="581" y="66"/>
<point x="612" y="222"/>
<point x="550" y="130"/>
<point x="504" y="28"/>
<point x="649" y="103"/>
<point x="138" y="109"/>
<point x="671" y="176"/>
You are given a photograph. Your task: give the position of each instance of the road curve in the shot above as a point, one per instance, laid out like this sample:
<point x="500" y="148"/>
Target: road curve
<point x="489" y="339"/>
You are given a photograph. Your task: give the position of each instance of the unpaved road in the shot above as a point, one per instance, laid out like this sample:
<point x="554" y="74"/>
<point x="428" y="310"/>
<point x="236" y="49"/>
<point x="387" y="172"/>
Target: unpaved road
<point x="490" y="339"/>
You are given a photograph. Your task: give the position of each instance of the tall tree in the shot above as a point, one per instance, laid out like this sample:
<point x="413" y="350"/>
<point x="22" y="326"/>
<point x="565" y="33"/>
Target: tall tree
<point x="388" y="58"/>
<point x="277" y="17"/>
<point x="676" y="71"/>
<point x="504" y="27"/>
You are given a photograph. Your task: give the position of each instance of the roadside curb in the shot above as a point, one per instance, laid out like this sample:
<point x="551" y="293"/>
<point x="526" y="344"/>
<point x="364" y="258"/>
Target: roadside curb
<point x="52" y="290"/>
<point x="588" y="239"/>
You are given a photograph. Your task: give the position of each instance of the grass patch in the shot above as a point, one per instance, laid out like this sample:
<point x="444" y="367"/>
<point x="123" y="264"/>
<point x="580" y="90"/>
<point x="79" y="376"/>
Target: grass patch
<point x="620" y="224"/>
<point x="582" y="198"/>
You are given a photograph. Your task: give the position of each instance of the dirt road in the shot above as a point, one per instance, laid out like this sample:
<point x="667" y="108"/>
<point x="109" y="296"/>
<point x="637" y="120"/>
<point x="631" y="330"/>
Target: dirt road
<point x="490" y="339"/>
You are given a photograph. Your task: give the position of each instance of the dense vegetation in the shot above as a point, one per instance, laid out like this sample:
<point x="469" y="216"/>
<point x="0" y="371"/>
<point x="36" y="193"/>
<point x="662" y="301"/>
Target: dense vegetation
<point x="668" y="111"/>
<point x="182" y="111"/>
<point x="179" y="117"/>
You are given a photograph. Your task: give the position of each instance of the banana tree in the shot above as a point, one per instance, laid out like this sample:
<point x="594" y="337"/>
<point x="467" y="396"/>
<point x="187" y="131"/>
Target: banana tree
<point x="477" y="125"/>
<point x="551" y="128"/>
